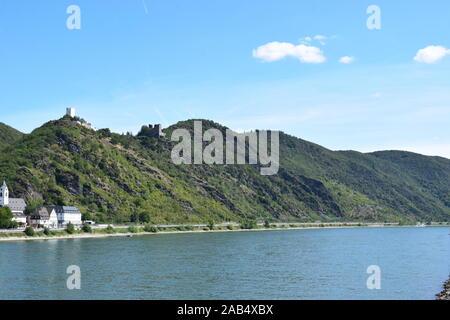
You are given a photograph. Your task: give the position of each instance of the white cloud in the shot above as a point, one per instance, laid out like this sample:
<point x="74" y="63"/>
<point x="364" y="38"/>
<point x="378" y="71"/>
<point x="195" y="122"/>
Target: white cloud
<point x="319" y="38"/>
<point x="431" y="54"/>
<point x="346" y="59"/>
<point x="274" y="51"/>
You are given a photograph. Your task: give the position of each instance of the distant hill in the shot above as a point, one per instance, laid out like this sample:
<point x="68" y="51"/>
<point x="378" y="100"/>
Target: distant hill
<point x="116" y="177"/>
<point x="8" y="135"/>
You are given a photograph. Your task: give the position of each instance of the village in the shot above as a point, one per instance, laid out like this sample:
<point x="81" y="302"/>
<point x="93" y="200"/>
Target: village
<point x="52" y="217"/>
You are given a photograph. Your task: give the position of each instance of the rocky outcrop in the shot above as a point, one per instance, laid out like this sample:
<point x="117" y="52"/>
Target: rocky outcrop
<point x="445" y="294"/>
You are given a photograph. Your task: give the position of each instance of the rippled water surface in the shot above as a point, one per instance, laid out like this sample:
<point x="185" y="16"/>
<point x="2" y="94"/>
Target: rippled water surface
<point x="294" y="264"/>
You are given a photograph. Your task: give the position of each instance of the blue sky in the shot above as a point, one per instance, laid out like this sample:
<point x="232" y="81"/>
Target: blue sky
<point x="140" y="61"/>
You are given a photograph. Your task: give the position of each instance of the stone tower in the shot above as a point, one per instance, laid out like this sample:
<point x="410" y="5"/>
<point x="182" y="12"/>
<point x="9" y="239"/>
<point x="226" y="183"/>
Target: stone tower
<point x="4" y="195"/>
<point x="156" y="130"/>
<point x="70" y="112"/>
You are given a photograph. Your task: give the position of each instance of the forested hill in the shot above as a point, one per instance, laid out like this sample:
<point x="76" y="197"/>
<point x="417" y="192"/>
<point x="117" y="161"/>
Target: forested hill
<point x="120" y="178"/>
<point x="8" y="135"/>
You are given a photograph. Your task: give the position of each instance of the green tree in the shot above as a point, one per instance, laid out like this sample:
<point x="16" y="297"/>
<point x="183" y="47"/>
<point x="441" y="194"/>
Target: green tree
<point x="33" y="204"/>
<point x="145" y="132"/>
<point x="104" y="133"/>
<point x="134" y="217"/>
<point x="249" y="224"/>
<point x="86" y="216"/>
<point x="149" y="228"/>
<point x="29" y="231"/>
<point x="14" y="224"/>
<point x="70" y="228"/>
<point x="144" y="217"/>
<point x="86" y="228"/>
<point x="47" y="231"/>
<point x="5" y="217"/>
<point x="60" y="201"/>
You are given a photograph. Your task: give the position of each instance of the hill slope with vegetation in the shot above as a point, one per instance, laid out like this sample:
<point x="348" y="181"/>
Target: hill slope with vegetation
<point x="121" y="178"/>
<point x="8" y="135"/>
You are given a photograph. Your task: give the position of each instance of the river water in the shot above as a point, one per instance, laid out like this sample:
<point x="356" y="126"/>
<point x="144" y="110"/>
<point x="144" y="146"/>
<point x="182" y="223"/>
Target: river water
<point x="291" y="264"/>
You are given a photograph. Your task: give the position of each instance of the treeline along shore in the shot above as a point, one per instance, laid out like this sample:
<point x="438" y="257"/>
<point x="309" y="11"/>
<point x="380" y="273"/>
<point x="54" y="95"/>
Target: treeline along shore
<point x="100" y="231"/>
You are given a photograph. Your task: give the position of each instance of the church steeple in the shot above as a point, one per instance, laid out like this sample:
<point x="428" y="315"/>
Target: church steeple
<point x="4" y="194"/>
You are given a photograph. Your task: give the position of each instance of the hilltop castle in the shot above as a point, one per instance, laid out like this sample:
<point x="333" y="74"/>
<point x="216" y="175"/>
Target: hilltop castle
<point x="71" y="112"/>
<point x="156" y="131"/>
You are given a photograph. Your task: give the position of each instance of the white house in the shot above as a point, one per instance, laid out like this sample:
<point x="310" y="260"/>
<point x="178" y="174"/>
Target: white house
<point x="17" y="205"/>
<point x="67" y="214"/>
<point x="43" y="217"/>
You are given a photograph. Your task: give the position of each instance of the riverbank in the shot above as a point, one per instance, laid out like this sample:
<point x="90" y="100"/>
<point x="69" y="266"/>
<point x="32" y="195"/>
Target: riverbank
<point x="229" y="228"/>
<point x="445" y="294"/>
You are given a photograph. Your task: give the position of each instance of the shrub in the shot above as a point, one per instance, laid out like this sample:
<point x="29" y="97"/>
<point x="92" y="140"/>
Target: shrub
<point x="150" y="228"/>
<point x="210" y="225"/>
<point x="29" y="231"/>
<point x="14" y="225"/>
<point x="110" y="229"/>
<point x="230" y="227"/>
<point x="70" y="228"/>
<point x="47" y="231"/>
<point x="132" y="229"/>
<point x="86" y="228"/>
<point x="266" y="224"/>
<point x="185" y="228"/>
<point x="248" y="224"/>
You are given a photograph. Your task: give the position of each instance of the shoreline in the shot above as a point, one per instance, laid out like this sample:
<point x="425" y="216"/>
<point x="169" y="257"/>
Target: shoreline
<point x="130" y="235"/>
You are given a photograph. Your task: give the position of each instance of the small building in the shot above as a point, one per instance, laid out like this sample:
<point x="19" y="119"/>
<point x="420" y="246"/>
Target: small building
<point x="66" y="215"/>
<point x="43" y="217"/>
<point x="17" y="205"/>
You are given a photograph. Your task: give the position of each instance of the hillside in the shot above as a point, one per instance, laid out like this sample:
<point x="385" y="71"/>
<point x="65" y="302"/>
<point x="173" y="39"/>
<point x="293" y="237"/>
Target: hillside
<point x="8" y="135"/>
<point x="121" y="178"/>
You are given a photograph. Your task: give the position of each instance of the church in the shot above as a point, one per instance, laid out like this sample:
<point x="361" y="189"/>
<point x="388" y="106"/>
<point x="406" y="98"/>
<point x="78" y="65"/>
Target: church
<point x="17" y="205"/>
